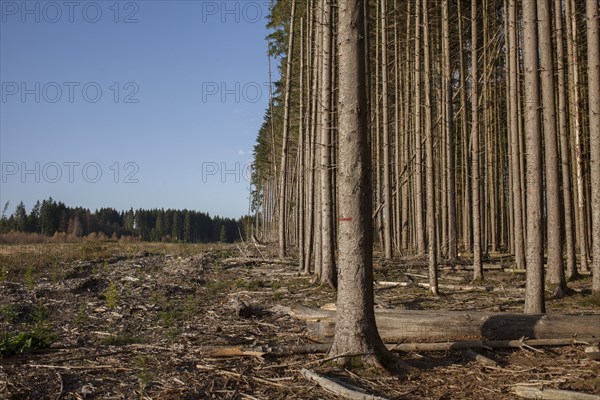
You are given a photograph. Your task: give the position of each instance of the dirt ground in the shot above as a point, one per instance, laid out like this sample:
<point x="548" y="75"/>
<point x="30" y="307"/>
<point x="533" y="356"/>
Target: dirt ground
<point x="143" y="325"/>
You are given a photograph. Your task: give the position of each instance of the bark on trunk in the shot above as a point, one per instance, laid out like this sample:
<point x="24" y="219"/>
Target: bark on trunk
<point x="284" y="148"/>
<point x="475" y="171"/>
<point x="387" y="190"/>
<point x="519" y="242"/>
<point x="556" y="272"/>
<point x="419" y="227"/>
<point x="355" y="331"/>
<point x="593" y="68"/>
<point x="449" y="118"/>
<point x="328" y="272"/>
<point x="534" y="292"/>
<point x="572" y="43"/>
<point x="569" y="221"/>
<point x="430" y="178"/>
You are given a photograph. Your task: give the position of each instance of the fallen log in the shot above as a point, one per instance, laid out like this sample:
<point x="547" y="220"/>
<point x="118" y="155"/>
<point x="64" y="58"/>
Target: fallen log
<point x="489" y="344"/>
<point x="446" y="265"/>
<point x="462" y="267"/>
<point x="313" y="348"/>
<point x="339" y="388"/>
<point x="481" y="359"/>
<point x="530" y="392"/>
<point x="234" y="262"/>
<point x="465" y="288"/>
<point x="593" y="352"/>
<point x="399" y="325"/>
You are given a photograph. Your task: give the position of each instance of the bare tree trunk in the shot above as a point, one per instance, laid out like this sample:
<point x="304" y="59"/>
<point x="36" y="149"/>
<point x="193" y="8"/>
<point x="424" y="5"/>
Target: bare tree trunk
<point x="311" y="131"/>
<point x="569" y="229"/>
<point x="377" y="156"/>
<point x="534" y="292"/>
<point x="310" y="128"/>
<point x="510" y="183"/>
<point x="515" y="133"/>
<point x="319" y="141"/>
<point x="407" y="136"/>
<point x="355" y="330"/>
<point x="571" y="19"/>
<point x="387" y="190"/>
<point x="475" y="169"/>
<point x="556" y="272"/>
<point x="284" y="148"/>
<point x="420" y="231"/>
<point x="486" y="186"/>
<point x="397" y="118"/>
<point x="328" y="272"/>
<point x="449" y="117"/>
<point x="430" y="177"/>
<point x="466" y="224"/>
<point x="273" y="158"/>
<point x="593" y="71"/>
<point x="301" y="158"/>
<point x="522" y="151"/>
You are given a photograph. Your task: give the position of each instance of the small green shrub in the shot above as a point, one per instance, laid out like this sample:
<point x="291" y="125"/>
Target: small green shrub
<point x="190" y="306"/>
<point x="36" y="338"/>
<point x="29" y="278"/>
<point x="143" y="374"/>
<point x="3" y="273"/>
<point x="214" y="288"/>
<point x="168" y="317"/>
<point x="277" y="296"/>
<point x="82" y="316"/>
<point x="41" y="314"/>
<point x="172" y="334"/>
<point x="253" y="284"/>
<point x="7" y="313"/>
<point x="111" y="295"/>
<point x="55" y="272"/>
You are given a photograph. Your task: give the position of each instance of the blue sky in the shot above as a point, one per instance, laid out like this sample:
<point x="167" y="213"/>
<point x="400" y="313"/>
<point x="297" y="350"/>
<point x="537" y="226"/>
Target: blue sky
<point x="143" y="104"/>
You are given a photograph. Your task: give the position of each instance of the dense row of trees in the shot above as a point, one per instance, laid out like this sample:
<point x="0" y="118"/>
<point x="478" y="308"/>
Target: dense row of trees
<point x="437" y="127"/>
<point x="483" y="134"/>
<point x="49" y="217"/>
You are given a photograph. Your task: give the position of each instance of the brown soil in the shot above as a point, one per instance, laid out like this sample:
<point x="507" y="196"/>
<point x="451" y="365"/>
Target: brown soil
<point x="142" y="326"/>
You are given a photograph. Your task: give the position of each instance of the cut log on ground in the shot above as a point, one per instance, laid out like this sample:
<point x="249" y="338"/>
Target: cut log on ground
<point x="486" y="267"/>
<point x="465" y="288"/>
<point x="312" y="348"/>
<point x="530" y="392"/>
<point x="235" y="262"/>
<point x="481" y="359"/>
<point x="593" y="352"/>
<point x="338" y="388"/>
<point x="444" y="265"/>
<point x="396" y="326"/>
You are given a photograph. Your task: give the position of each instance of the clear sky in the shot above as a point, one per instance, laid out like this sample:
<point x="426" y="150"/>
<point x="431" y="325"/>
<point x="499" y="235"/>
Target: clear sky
<point x="143" y="104"/>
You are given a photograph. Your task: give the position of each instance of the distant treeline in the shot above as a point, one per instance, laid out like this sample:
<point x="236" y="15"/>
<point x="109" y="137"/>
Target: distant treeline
<point x="50" y="218"/>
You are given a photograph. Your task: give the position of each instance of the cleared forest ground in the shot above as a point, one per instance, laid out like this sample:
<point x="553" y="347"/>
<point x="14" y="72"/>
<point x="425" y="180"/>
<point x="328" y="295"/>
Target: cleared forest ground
<point x="142" y="322"/>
